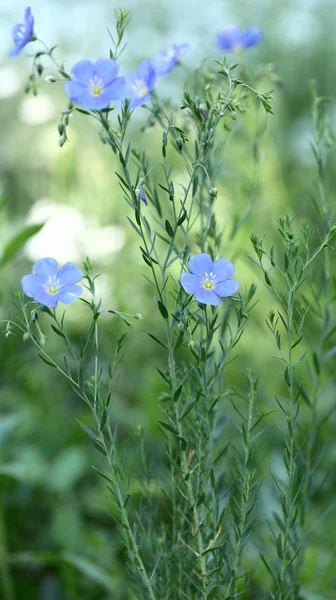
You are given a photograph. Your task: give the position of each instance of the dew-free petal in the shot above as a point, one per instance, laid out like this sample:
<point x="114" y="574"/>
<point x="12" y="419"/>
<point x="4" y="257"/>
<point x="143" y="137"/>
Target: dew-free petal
<point x="107" y="69"/>
<point x="190" y="283"/>
<point x="200" y="264"/>
<point x="34" y="287"/>
<point x="251" y="37"/>
<point x="226" y="288"/>
<point x="223" y="269"/>
<point x="69" y="274"/>
<point x="45" y="268"/>
<point x="82" y="71"/>
<point x="207" y="297"/>
<point x="69" y="294"/>
<point x="229" y="38"/>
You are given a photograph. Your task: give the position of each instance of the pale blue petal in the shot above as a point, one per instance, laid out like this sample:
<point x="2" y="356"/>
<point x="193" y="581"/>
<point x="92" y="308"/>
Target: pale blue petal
<point x="139" y="100"/>
<point x="75" y="91"/>
<point x="200" y="264"/>
<point x="69" y="274"/>
<point x="82" y="71"/>
<point x="116" y="90"/>
<point x="146" y="72"/>
<point x="251" y="37"/>
<point x="190" y="283"/>
<point x="34" y="287"/>
<point x="229" y="38"/>
<point x="107" y="69"/>
<point x="207" y="297"/>
<point x="223" y="269"/>
<point x="226" y="288"/>
<point x="69" y="294"/>
<point x="44" y="268"/>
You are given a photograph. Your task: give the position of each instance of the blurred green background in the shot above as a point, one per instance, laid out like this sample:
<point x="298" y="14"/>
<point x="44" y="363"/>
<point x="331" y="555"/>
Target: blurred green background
<point x="58" y="521"/>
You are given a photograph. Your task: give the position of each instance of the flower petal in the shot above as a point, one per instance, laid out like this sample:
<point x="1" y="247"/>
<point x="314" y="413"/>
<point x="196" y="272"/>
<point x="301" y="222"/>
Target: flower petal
<point x="207" y="297"/>
<point x="190" y="283"/>
<point x="226" y="288"/>
<point x="44" y="268"/>
<point x="82" y="71"/>
<point x="34" y="287"/>
<point x="229" y="38"/>
<point x="223" y="269"/>
<point x="251" y="37"/>
<point x="200" y="264"/>
<point x="69" y="294"/>
<point x="139" y="100"/>
<point x="146" y="72"/>
<point x="116" y="89"/>
<point x="107" y="69"/>
<point x="75" y="91"/>
<point x="69" y="274"/>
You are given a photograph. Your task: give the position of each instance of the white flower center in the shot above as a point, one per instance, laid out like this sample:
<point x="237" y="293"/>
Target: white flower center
<point x="53" y="284"/>
<point x="140" y="88"/>
<point x="96" y="85"/>
<point x="208" y="281"/>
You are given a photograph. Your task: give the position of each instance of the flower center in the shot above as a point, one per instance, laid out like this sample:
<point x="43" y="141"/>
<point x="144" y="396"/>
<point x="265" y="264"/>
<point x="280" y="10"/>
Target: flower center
<point x="53" y="284"/>
<point x="97" y="86"/>
<point x="208" y="281"/>
<point x="144" y="91"/>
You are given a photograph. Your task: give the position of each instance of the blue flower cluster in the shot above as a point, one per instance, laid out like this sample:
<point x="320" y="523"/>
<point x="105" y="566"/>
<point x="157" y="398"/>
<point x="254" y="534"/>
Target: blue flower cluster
<point x="94" y="86"/>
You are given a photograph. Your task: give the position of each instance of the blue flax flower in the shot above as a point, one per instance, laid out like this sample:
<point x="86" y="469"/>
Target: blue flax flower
<point x="95" y="85"/>
<point x="139" y="86"/>
<point x="23" y="33"/>
<point x="49" y="284"/>
<point x="232" y="38"/>
<point x="168" y="59"/>
<point x="142" y="195"/>
<point x="209" y="281"/>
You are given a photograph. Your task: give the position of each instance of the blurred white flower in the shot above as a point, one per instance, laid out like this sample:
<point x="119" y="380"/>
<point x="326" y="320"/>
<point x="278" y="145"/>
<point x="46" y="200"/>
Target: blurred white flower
<point x="10" y="82"/>
<point x="36" y="110"/>
<point x="68" y="236"/>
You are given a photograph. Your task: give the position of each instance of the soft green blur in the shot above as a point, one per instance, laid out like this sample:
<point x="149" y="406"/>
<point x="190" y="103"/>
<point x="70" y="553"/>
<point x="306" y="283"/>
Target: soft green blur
<point x="58" y="520"/>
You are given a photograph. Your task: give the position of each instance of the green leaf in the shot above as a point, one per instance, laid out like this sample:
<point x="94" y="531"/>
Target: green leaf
<point x="163" y="309"/>
<point x="18" y="241"/>
<point x="57" y="331"/>
<point x="169" y="229"/>
<point x="169" y="427"/>
<point x="46" y="361"/>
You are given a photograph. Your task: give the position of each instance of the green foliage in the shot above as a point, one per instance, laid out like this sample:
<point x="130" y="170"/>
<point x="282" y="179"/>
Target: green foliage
<point x="222" y="491"/>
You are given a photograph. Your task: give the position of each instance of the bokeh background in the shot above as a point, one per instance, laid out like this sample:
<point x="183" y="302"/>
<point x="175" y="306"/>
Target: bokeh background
<point x="61" y="535"/>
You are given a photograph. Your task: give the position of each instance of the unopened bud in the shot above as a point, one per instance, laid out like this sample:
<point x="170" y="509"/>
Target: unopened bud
<point x="181" y="327"/>
<point x="192" y="345"/>
<point x="179" y="143"/>
<point x="26" y="336"/>
<point x="213" y="192"/>
<point x="49" y="79"/>
<point x="137" y="316"/>
<point x="39" y="68"/>
<point x="60" y="128"/>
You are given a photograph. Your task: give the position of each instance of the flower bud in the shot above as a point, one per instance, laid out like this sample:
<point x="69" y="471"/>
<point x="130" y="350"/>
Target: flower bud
<point x="213" y="192"/>
<point x="39" y="68"/>
<point x="49" y="79"/>
<point x="179" y="143"/>
<point x="26" y="336"/>
<point x="137" y="316"/>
